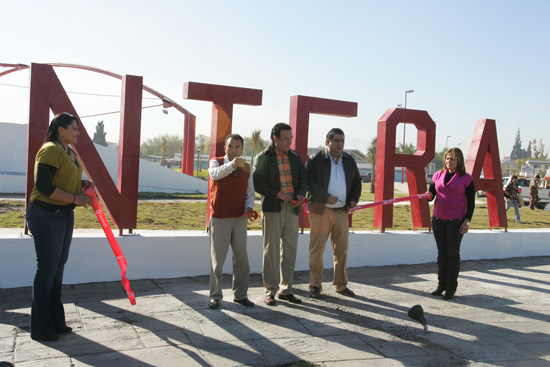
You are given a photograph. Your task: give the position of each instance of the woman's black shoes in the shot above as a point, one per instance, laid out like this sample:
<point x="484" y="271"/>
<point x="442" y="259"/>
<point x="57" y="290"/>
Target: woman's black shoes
<point x="46" y="338"/>
<point x="439" y="291"/>
<point x="63" y="329"/>
<point x="53" y="337"/>
<point x="448" y="295"/>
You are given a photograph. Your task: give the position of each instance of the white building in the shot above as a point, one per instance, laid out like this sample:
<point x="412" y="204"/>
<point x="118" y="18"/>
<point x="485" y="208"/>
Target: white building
<point x="152" y="177"/>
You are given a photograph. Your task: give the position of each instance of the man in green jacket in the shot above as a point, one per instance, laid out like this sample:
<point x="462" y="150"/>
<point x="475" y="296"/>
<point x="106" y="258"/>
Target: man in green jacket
<point x="280" y="178"/>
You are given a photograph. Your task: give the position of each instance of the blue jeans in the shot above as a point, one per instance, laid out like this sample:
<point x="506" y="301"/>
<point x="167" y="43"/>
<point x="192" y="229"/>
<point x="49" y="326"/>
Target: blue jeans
<point x="52" y="233"/>
<point x="447" y="238"/>
<point x="516" y="207"/>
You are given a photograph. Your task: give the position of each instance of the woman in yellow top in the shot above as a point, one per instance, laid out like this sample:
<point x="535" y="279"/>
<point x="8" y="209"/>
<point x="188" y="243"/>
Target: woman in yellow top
<point x="57" y="190"/>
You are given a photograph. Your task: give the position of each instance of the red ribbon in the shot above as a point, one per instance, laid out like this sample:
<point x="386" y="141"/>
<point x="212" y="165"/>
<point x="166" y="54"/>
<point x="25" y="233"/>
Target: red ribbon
<point x="254" y="215"/>
<point x="426" y="195"/>
<point x="304" y="205"/>
<point x="113" y="242"/>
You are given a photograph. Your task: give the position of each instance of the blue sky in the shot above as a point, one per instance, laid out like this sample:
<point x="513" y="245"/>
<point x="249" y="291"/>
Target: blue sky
<point x="465" y="61"/>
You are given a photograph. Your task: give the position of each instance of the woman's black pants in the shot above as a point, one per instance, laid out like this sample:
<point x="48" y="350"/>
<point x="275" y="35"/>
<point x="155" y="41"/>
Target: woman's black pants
<point x="447" y="238"/>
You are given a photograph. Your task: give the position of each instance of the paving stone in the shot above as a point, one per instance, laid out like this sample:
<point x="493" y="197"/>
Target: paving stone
<point x="325" y="329"/>
<point x="232" y="353"/>
<point x="50" y="362"/>
<point x="104" y="323"/>
<point x="315" y="349"/>
<point x="163" y="338"/>
<point x="7" y="346"/>
<point x="488" y="349"/>
<point x="499" y="317"/>
<point x="540" y="349"/>
<point x="180" y="355"/>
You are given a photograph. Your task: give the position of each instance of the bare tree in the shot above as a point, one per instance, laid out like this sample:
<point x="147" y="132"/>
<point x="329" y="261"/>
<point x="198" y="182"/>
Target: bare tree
<point x="371" y="158"/>
<point x="255" y="144"/>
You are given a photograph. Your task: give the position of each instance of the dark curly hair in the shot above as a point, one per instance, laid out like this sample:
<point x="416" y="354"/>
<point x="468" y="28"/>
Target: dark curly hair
<point x="64" y="120"/>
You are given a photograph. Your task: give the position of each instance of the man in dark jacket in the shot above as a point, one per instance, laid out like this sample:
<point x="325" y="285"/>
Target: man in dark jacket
<point x="280" y="178"/>
<point x="334" y="187"/>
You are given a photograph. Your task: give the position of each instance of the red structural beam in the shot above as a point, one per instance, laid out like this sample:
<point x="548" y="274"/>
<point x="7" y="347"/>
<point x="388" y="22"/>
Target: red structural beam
<point x="300" y="109"/>
<point x="484" y="155"/>
<point x="223" y="98"/>
<point x="187" y="158"/>
<point x="387" y="159"/>
<point x="46" y="92"/>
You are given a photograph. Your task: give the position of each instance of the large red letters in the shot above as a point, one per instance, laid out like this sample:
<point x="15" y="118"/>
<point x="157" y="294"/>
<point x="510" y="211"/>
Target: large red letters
<point x="300" y="108"/>
<point x="484" y="155"/>
<point x="223" y="98"/>
<point x="48" y="93"/>
<point x="387" y="160"/>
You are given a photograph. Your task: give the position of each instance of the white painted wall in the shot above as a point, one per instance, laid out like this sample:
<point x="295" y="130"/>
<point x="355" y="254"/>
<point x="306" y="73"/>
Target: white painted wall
<point x="152" y="177"/>
<point x="172" y="254"/>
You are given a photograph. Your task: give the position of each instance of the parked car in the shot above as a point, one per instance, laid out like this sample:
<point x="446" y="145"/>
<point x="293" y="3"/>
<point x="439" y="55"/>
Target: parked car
<point x="366" y="177"/>
<point x="523" y="188"/>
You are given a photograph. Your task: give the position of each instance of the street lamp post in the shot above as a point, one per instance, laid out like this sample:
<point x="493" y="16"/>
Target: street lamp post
<point x="405" y="125"/>
<point x="447" y="142"/>
<point x="198" y="160"/>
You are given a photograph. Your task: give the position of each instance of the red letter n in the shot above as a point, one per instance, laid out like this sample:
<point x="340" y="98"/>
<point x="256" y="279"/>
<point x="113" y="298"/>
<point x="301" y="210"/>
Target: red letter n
<point x="48" y="93"/>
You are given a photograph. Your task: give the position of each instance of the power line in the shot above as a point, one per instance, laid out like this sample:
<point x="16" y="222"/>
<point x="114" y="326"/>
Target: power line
<point x="82" y="93"/>
<point x="112" y="113"/>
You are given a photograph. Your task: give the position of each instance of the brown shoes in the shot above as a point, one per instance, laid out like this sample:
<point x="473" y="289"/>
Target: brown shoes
<point x="245" y="302"/>
<point x="346" y="292"/>
<point x="270" y="300"/>
<point x="315" y="292"/>
<point x="290" y="298"/>
<point x="214" y="304"/>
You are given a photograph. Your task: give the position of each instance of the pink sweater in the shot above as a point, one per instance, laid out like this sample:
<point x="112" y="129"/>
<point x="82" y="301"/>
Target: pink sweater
<point x="450" y="201"/>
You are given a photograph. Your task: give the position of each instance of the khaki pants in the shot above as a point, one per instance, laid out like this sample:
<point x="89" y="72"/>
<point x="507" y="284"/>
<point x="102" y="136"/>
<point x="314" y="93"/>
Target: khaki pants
<point x="333" y="222"/>
<point x="224" y="232"/>
<point x="280" y="231"/>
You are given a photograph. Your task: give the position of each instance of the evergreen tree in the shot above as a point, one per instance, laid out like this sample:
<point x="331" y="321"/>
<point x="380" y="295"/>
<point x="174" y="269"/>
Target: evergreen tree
<point x="99" y="135"/>
<point x="529" y="154"/>
<point x="516" y="149"/>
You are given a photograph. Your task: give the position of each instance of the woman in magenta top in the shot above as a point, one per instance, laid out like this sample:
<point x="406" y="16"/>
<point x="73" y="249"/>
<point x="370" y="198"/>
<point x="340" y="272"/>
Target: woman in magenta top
<point x="454" y="193"/>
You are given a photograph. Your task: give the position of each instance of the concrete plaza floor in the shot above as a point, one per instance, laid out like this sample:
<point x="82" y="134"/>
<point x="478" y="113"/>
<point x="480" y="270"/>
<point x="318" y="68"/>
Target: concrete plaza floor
<point x="499" y="317"/>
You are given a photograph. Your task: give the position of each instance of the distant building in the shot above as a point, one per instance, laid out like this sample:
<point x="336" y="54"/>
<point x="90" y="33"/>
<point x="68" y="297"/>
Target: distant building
<point x="152" y="177"/>
<point x="539" y="167"/>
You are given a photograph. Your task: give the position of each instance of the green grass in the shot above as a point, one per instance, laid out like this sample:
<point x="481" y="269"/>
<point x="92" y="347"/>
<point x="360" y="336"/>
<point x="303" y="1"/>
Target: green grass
<point x="185" y="215"/>
<point x="301" y="364"/>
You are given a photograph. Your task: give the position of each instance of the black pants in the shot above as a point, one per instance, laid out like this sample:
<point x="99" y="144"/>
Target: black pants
<point x="447" y="238"/>
<point x="52" y="233"/>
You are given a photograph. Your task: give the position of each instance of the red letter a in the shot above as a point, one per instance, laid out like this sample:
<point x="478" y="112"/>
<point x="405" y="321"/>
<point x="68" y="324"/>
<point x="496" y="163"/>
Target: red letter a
<point x="484" y="155"/>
